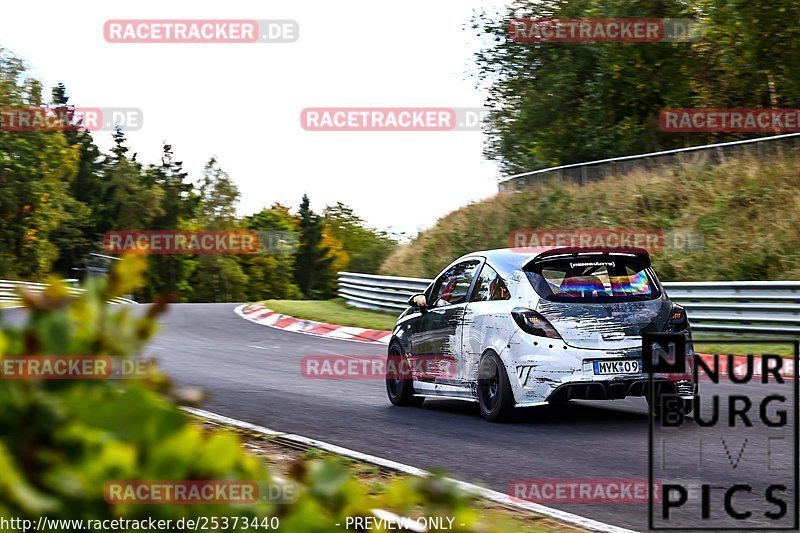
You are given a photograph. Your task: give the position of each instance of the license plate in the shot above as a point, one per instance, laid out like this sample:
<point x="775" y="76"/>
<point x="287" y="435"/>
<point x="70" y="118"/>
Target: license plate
<point x="628" y="366"/>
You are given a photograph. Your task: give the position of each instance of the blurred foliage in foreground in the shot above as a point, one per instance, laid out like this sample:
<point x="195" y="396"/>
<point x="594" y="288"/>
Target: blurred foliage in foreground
<point x="61" y="441"/>
<point x="746" y="209"/>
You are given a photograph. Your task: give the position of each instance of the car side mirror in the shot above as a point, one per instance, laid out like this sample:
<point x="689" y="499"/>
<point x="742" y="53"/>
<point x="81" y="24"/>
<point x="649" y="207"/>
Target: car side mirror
<point x="418" y="300"/>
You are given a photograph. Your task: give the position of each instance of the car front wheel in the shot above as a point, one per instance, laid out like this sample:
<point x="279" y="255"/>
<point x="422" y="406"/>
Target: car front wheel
<point x="494" y="390"/>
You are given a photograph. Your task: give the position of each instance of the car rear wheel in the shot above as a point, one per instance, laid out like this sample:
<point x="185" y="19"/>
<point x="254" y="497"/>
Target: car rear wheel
<point x="494" y="391"/>
<point x="399" y="386"/>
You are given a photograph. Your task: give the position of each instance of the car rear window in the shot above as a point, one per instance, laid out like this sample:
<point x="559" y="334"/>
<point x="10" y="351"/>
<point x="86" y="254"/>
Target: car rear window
<point x="593" y="279"/>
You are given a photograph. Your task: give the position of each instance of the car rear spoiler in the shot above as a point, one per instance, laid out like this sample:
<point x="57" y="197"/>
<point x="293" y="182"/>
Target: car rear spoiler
<point x="567" y="252"/>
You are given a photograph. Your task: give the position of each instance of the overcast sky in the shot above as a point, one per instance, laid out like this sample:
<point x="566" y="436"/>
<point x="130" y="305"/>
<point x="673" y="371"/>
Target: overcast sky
<point x="242" y="102"/>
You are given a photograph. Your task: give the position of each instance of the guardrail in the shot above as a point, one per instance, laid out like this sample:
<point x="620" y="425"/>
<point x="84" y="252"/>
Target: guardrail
<point x="9" y="291"/>
<point x="382" y="293"/>
<point x="753" y="307"/>
<point x="582" y="173"/>
<point x="771" y="307"/>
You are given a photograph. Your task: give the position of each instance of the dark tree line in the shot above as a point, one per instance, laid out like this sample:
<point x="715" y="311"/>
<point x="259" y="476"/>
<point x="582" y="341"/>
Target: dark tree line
<point x="560" y="103"/>
<point x="59" y="194"/>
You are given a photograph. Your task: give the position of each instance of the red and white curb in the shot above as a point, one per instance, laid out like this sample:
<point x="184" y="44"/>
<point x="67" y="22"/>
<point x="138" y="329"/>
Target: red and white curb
<point x="266" y="317"/>
<point x="481" y="492"/>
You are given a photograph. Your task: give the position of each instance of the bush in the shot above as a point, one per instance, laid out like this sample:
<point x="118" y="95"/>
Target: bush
<point x="61" y="441"/>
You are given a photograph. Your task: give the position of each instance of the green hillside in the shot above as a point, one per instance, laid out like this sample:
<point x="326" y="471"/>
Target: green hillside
<point x="747" y="210"/>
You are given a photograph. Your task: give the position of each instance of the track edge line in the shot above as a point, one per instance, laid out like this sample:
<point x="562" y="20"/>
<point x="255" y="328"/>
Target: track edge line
<point x="489" y="494"/>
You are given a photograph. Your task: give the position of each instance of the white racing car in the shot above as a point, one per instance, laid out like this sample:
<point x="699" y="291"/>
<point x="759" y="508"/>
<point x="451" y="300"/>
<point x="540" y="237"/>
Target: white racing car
<point x="511" y="328"/>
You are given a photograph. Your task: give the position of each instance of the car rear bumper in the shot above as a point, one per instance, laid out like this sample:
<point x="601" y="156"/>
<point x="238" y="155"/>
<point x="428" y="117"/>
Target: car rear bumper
<point x="618" y="389"/>
<point x="552" y="371"/>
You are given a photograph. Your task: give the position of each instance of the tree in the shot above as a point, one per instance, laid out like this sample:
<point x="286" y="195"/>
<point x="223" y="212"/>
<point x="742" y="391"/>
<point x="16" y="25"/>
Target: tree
<point x="170" y="274"/>
<point x="219" y="196"/>
<point x="131" y="203"/>
<point x="179" y="201"/>
<point x="560" y="103"/>
<point x="313" y="266"/>
<point x="75" y="236"/>
<point x="749" y="55"/>
<point x="128" y="201"/>
<point x="218" y="278"/>
<point x="271" y="272"/>
<point x="36" y="168"/>
<point x="367" y="248"/>
<point x="120" y="149"/>
<point x="276" y="218"/>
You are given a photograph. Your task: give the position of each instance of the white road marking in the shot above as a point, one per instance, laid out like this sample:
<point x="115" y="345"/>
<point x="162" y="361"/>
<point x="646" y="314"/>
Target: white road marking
<point x="492" y="495"/>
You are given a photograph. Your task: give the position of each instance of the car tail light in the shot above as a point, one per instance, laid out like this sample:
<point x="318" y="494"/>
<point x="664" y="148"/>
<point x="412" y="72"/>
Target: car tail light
<point x="678" y="320"/>
<point x="534" y="323"/>
<point x="681" y="379"/>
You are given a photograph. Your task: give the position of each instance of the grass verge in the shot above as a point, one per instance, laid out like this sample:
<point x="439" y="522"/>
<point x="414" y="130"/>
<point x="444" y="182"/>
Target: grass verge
<point x="784" y="349"/>
<point x="721" y="202"/>
<point x="334" y="311"/>
<point x="283" y="459"/>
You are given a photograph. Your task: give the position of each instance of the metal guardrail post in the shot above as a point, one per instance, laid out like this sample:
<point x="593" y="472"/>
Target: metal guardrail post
<point x="8" y="290"/>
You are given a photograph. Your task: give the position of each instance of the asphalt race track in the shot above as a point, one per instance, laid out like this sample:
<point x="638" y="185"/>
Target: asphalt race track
<point x="252" y="373"/>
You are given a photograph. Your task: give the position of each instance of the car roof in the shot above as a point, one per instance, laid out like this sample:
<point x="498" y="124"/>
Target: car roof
<point x="504" y="260"/>
<point x="508" y="260"/>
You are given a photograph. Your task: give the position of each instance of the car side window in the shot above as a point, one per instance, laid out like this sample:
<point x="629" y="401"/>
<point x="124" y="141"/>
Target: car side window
<point x="453" y="285"/>
<point x="489" y="286"/>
